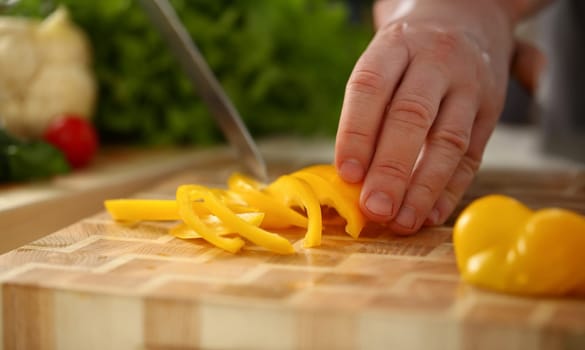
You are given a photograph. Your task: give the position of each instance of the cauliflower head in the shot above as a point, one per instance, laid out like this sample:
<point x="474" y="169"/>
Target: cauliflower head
<point x="45" y="72"/>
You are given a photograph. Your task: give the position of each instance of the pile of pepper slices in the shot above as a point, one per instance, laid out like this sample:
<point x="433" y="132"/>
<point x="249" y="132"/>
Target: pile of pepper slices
<point x="249" y="211"/>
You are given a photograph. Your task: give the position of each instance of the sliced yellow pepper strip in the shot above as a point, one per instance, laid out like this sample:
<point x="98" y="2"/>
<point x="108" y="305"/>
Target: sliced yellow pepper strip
<point x="142" y="209"/>
<point x="241" y="181"/>
<point x="184" y="195"/>
<point x="227" y="198"/>
<point x="215" y="224"/>
<point x="276" y="214"/>
<point x="255" y="234"/>
<point x="295" y="192"/>
<point x="503" y="245"/>
<point x="332" y="191"/>
<point x="164" y="209"/>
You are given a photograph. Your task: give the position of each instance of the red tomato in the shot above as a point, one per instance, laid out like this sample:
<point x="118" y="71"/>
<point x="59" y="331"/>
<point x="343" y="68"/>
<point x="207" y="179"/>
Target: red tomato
<point x="75" y="137"/>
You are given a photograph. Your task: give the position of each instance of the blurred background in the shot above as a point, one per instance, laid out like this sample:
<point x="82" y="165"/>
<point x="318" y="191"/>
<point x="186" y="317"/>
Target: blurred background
<point x="284" y="64"/>
<point x="554" y="110"/>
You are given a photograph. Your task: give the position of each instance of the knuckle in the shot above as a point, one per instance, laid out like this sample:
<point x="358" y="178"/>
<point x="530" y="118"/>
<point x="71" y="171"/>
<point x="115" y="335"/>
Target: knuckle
<point x="447" y="40"/>
<point x="356" y="135"/>
<point x="366" y="81"/>
<point x="446" y="205"/>
<point x="451" y="200"/>
<point x="446" y="44"/>
<point x="472" y="87"/>
<point x="392" y="32"/>
<point x="453" y="193"/>
<point x="424" y="190"/>
<point x="470" y="165"/>
<point x="394" y="169"/>
<point x="414" y="110"/>
<point x="451" y="139"/>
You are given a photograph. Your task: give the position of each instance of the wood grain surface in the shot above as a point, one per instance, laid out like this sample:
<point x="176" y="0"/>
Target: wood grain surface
<point x="98" y="284"/>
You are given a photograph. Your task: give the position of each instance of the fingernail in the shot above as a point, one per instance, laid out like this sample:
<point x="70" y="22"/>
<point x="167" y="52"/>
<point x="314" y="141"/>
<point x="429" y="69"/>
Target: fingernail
<point x="406" y="217"/>
<point x="351" y="171"/>
<point x="433" y="218"/>
<point x="379" y="203"/>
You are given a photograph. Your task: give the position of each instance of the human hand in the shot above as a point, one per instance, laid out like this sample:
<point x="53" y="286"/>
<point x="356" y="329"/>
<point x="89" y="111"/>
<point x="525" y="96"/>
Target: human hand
<point x="420" y="106"/>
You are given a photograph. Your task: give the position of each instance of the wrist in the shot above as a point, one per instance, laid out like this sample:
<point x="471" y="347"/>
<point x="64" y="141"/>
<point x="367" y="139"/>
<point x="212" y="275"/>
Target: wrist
<point x="385" y="11"/>
<point x="490" y="23"/>
<point x="520" y="9"/>
<point x="515" y="10"/>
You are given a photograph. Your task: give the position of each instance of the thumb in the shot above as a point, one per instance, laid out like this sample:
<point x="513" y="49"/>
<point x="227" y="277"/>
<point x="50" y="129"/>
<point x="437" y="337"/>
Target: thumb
<point x="527" y="65"/>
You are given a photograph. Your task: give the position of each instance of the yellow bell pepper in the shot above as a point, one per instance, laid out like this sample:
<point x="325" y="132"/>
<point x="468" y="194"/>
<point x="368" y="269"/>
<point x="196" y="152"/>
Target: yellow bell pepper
<point x="502" y="245"/>
<point x="294" y="192"/>
<point x="255" y="234"/>
<point x="184" y="194"/>
<point x="276" y="214"/>
<point x="142" y="209"/>
<point x="332" y="191"/>
<point x="163" y="209"/>
<point x="249" y="208"/>
<point x="215" y="225"/>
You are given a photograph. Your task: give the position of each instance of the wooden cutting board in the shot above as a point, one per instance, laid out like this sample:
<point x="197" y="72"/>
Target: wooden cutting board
<point x="98" y="284"/>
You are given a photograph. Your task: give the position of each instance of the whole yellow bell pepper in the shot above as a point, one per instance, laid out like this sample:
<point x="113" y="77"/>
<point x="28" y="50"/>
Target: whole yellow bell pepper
<point x="503" y="245"/>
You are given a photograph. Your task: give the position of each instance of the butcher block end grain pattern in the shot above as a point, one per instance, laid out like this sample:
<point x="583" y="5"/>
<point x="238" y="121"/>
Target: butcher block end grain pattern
<point x="98" y="284"/>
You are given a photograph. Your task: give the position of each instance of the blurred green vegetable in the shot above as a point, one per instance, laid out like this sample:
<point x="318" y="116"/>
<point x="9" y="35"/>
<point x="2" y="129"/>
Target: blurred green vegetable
<point x="283" y="62"/>
<point x="21" y="160"/>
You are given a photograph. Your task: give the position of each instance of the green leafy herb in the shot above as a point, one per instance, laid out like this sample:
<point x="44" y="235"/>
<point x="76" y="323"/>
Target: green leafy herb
<point x="284" y="63"/>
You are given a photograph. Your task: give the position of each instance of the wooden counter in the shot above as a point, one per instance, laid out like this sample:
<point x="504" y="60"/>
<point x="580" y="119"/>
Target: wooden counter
<point x="29" y="211"/>
<point x="98" y="284"/>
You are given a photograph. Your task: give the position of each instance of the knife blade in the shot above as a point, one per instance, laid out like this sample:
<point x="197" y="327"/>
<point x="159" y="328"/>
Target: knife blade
<point x="163" y="16"/>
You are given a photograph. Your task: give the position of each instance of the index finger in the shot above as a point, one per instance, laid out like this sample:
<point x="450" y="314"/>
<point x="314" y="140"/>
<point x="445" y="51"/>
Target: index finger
<point x="369" y="89"/>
